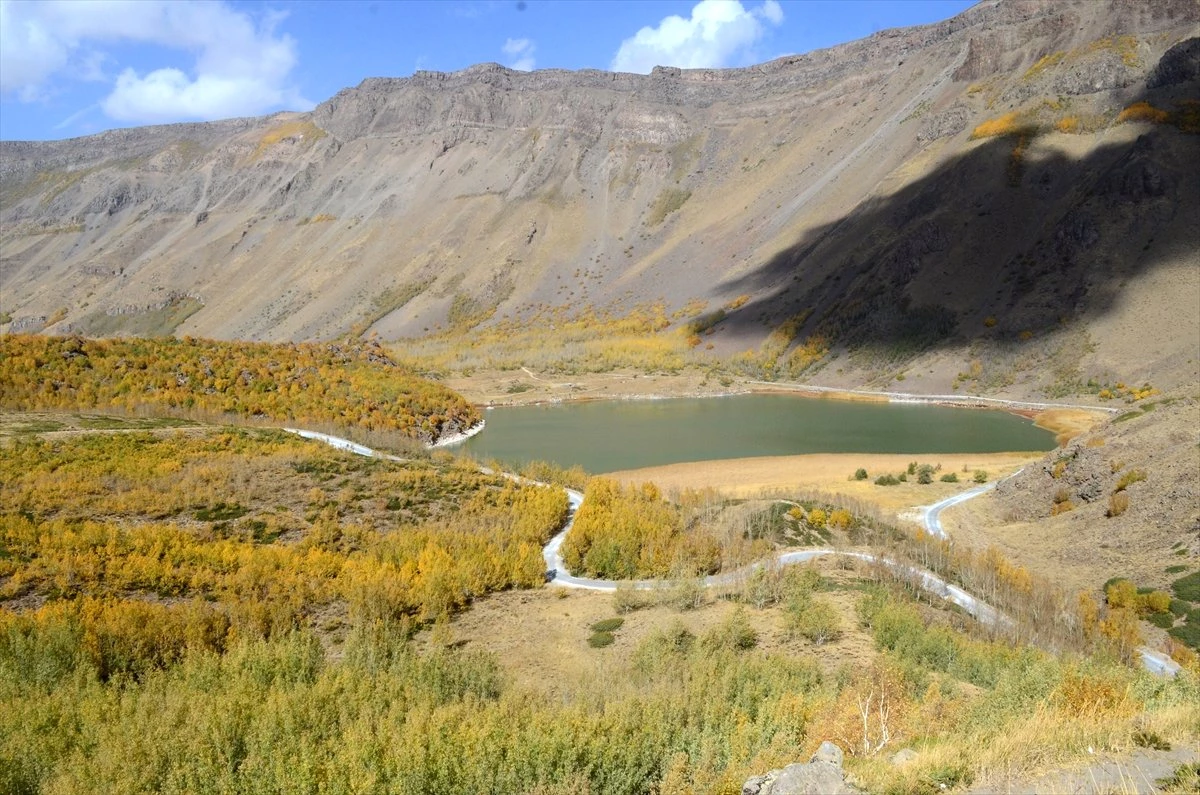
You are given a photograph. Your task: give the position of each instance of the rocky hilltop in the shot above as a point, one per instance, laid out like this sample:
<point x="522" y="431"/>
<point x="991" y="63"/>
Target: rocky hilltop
<point x="1020" y="175"/>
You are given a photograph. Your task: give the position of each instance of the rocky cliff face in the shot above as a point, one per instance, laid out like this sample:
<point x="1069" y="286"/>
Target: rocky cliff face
<point x="842" y="187"/>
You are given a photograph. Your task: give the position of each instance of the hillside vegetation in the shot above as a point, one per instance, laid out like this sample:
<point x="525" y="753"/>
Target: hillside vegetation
<point x="353" y="386"/>
<point x="183" y="609"/>
<point x="259" y="529"/>
<point x="212" y="654"/>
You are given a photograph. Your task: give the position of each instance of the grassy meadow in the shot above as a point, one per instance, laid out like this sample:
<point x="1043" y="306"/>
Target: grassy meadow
<point x="189" y="607"/>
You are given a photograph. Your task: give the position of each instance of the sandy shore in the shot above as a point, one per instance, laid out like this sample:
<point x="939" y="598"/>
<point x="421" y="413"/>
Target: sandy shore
<point x="1066" y="424"/>
<point x="829" y="472"/>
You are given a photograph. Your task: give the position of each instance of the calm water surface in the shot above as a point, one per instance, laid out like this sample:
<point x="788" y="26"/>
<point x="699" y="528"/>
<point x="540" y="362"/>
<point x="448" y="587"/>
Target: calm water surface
<point x="605" y="436"/>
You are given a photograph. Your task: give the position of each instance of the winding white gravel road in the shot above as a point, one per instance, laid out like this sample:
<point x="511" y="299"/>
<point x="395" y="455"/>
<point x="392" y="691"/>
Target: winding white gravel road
<point x="557" y="574"/>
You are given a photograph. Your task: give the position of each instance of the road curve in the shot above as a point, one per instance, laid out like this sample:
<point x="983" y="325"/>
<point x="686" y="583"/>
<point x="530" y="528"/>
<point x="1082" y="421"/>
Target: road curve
<point x="931" y="515"/>
<point x="557" y="574"/>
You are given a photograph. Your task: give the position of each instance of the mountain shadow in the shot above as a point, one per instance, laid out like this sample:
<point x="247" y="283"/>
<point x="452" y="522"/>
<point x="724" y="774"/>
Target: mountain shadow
<point x="1011" y="239"/>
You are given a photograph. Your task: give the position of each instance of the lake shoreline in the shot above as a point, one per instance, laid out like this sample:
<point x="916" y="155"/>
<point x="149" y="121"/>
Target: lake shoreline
<point x="1064" y="420"/>
<point x="612" y="435"/>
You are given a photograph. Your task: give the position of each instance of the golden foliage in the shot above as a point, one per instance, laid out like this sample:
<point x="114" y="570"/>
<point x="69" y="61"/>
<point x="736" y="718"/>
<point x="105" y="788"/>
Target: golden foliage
<point x="1068" y="125"/>
<point x="560" y="339"/>
<point x="738" y="302"/>
<point x="338" y="386"/>
<point x="630" y="532"/>
<point x="1143" y="111"/>
<point x="114" y="515"/>
<point x="1006" y="124"/>
<point x="1092" y="695"/>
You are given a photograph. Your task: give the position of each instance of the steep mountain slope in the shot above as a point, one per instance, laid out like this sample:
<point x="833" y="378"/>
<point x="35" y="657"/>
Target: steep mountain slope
<point x="849" y="193"/>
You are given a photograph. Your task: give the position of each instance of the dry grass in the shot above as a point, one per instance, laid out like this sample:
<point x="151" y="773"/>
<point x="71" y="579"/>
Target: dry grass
<point x="670" y="200"/>
<point x="303" y="131"/>
<point x="1066" y="424"/>
<point x="833" y="473"/>
<point x="540" y="637"/>
<point x="320" y="218"/>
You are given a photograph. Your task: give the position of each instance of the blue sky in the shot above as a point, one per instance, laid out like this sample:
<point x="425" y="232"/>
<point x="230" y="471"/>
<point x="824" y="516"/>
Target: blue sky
<point x="71" y="68"/>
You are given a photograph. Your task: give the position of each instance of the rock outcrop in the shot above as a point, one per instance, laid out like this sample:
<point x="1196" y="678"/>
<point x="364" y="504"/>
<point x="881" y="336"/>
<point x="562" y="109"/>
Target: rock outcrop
<point x="822" y="775"/>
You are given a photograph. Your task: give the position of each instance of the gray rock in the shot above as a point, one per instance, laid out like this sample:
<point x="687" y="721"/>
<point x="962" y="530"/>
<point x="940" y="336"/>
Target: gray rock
<point x="903" y="757"/>
<point x="820" y="776"/>
<point x="830" y="753"/>
<point x="1178" y="65"/>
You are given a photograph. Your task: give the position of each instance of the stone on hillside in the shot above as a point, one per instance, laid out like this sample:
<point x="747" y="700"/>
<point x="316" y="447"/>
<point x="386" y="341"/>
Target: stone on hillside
<point x="828" y="752"/>
<point x="820" y="776"/>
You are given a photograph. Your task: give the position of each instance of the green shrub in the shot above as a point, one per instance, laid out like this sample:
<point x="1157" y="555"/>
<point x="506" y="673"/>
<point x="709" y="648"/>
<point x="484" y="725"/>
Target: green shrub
<point x="220" y="512"/>
<point x="1188" y="634"/>
<point x="684" y="594"/>
<point x="1150" y="739"/>
<point x="947" y="775"/>
<point x="1161" y="620"/>
<point x="663" y="648"/>
<point x="886" y="480"/>
<point x="732" y="634"/>
<point x="1188" y="587"/>
<point x="860" y="474"/>
<point x="950" y="477"/>
<point x="925" y="474"/>
<point x="815" y="620"/>
<point x="981" y="476"/>
<point x="608" y="625"/>
<point x="1186" y="778"/>
<point x="599" y="640"/>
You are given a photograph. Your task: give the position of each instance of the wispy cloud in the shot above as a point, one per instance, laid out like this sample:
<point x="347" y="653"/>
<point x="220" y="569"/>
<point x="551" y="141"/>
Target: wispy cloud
<point x="75" y="117"/>
<point x="522" y="51"/>
<point x="238" y="65"/>
<point x="718" y="33"/>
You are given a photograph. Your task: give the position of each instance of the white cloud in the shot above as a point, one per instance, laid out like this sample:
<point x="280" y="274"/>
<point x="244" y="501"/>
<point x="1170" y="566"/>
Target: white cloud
<point x="718" y="33"/>
<point x="240" y="66"/>
<point x="522" y="50"/>
<point x="29" y="51"/>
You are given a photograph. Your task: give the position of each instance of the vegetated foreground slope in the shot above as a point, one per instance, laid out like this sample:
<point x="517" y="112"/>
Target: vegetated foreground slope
<point x="352" y="386"/>
<point x="220" y="608"/>
<point x="1009" y="187"/>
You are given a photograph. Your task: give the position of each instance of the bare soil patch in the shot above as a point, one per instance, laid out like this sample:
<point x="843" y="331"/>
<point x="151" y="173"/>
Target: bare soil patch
<point x="540" y="637"/>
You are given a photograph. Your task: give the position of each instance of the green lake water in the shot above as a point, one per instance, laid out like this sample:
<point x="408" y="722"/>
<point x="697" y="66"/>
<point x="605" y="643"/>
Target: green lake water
<point x="610" y="435"/>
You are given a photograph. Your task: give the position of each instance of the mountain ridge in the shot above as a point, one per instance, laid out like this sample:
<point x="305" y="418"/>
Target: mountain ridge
<point x="399" y="205"/>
